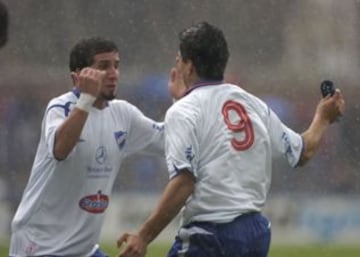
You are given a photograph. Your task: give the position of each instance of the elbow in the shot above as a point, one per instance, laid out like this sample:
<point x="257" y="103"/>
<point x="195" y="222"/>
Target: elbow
<point x="59" y="155"/>
<point x="302" y="161"/>
<point x="306" y="155"/>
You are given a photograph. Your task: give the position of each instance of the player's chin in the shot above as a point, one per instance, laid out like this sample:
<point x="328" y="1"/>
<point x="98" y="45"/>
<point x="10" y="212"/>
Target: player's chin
<point x="109" y="96"/>
<point x="109" y="93"/>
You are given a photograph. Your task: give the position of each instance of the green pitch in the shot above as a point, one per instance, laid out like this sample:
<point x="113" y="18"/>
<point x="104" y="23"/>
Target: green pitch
<point x="160" y="250"/>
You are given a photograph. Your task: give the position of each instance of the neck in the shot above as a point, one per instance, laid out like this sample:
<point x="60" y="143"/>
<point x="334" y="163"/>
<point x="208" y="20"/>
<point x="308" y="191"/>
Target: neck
<point x="100" y="103"/>
<point x="191" y="81"/>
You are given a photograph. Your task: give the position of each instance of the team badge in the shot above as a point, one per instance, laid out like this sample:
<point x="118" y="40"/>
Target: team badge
<point x="120" y="137"/>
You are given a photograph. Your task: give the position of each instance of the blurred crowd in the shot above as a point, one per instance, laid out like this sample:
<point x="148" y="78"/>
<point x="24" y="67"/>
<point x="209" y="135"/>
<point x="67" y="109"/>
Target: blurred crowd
<point x="335" y="169"/>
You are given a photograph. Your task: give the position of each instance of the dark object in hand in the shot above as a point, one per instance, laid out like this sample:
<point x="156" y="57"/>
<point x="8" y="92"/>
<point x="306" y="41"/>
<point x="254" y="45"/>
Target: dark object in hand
<point x="327" y="88"/>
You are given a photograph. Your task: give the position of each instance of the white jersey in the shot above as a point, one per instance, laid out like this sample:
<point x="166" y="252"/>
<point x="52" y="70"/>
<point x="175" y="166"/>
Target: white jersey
<point x="227" y="138"/>
<point x="62" y="209"/>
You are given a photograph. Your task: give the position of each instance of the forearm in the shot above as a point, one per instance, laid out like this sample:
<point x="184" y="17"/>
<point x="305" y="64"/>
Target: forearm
<point x="173" y="199"/>
<point x="312" y="138"/>
<point x="68" y="134"/>
<point x="157" y="222"/>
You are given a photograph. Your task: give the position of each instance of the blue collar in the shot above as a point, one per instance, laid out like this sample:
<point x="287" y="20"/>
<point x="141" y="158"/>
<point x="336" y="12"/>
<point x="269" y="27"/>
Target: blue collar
<point x="202" y="84"/>
<point x="76" y="91"/>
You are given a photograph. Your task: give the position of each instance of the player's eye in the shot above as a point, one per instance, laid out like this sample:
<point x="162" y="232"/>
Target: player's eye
<point x="103" y="65"/>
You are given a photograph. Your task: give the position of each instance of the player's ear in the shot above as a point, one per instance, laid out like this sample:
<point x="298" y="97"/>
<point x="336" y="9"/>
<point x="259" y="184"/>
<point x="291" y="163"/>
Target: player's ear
<point x="75" y="76"/>
<point x="190" y="68"/>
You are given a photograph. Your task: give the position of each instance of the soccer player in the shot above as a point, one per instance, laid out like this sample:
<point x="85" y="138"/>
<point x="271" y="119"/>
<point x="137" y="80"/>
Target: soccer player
<point x="219" y="143"/>
<point x="85" y="135"/>
<point x="4" y="23"/>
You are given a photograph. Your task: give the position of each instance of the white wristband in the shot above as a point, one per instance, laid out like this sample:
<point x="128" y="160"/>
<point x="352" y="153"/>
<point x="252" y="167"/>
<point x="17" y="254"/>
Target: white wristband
<point x="85" y="102"/>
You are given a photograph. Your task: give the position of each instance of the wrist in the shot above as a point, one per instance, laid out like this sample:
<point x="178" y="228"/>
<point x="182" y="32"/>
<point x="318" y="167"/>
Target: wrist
<point x="85" y="102"/>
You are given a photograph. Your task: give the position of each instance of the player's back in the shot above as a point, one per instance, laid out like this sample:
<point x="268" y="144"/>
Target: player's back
<point x="231" y="155"/>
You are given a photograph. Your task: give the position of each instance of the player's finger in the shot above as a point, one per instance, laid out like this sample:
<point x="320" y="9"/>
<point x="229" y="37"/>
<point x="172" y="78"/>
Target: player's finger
<point x="339" y="100"/>
<point x="128" y="252"/>
<point x="85" y="71"/>
<point x="341" y="105"/>
<point x="337" y="94"/>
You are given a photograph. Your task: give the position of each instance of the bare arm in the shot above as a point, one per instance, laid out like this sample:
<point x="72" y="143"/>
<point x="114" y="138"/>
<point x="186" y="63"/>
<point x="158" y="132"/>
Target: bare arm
<point x="173" y="199"/>
<point x="327" y="111"/>
<point x="68" y="133"/>
<point x="88" y="81"/>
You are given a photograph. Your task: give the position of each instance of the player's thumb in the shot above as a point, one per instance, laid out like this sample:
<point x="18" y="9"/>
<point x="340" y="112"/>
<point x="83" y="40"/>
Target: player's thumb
<point x="337" y="94"/>
<point x="122" y="239"/>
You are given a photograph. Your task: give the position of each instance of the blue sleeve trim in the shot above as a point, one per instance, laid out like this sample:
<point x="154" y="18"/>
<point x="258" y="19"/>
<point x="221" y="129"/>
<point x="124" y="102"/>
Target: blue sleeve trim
<point x="66" y="107"/>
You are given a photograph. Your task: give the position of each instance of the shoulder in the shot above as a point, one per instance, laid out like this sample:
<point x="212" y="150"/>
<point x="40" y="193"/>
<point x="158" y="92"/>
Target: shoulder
<point x="185" y="109"/>
<point x="64" y="101"/>
<point x="181" y="106"/>
<point x="68" y="96"/>
<point x="123" y="106"/>
<point x="250" y="99"/>
<point x="120" y="104"/>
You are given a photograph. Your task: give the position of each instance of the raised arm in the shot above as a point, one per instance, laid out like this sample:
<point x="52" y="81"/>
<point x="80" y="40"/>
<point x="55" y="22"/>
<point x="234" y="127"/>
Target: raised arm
<point x="88" y="81"/>
<point x="328" y="110"/>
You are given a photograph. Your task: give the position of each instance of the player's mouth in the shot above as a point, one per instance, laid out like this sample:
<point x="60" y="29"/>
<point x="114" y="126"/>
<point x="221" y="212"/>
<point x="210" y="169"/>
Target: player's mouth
<point x="110" y="87"/>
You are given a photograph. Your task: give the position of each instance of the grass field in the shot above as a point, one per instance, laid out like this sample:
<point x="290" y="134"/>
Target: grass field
<point x="160" y="250"/>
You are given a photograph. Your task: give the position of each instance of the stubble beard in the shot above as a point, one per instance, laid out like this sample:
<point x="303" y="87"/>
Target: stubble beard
<point x="108" y="97"/>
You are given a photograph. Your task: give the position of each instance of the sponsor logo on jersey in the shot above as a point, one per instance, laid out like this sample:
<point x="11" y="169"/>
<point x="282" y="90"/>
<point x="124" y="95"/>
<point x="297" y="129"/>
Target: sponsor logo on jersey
<point x="120" y="137"/>
<point x="31" y="248"/>
<point x="158" y="127"/>
<point x="189" y="153"/>
<point x="287" y="144"/>
<point x="96" y="203"/>
<point x="101" y="155"/>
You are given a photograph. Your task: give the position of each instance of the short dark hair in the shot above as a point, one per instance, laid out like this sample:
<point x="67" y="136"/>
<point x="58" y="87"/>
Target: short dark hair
<point x="4" y="23"/>
<point x="82" y="54"/>
<point x="205" y="45"/>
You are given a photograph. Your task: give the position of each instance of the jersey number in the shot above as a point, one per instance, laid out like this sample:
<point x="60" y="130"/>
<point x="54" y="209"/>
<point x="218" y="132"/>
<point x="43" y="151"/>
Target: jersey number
<point x="243" y="126"/>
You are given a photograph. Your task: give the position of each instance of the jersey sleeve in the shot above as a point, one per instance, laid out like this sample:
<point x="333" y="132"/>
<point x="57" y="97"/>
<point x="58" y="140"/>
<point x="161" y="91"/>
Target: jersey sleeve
<point x="55" y="114"/>
<point x="145" y="134"/>
<point x="285" y="142"/>
<point x="181" y="144"/>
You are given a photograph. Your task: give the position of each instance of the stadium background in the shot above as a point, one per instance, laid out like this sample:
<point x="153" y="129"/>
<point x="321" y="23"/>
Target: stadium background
<point x="280" y="50"/>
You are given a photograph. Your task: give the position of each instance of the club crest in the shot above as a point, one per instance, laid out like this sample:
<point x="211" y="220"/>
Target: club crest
<point x="120" y="137"/>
